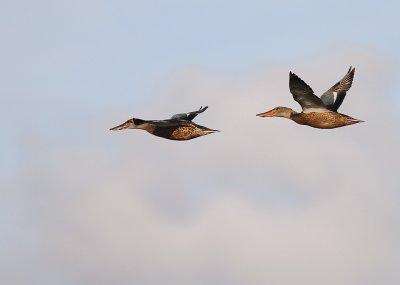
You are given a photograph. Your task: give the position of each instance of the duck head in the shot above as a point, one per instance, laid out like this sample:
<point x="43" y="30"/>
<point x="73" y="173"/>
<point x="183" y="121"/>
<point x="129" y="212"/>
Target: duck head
<point x="278" y="112"/>
<point x="130" y="124"/>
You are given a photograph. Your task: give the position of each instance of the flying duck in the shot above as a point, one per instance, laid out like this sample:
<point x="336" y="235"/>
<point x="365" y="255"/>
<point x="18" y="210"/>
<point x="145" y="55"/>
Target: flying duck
<point x="179" y="127"/>
<point x="318" y="112"/>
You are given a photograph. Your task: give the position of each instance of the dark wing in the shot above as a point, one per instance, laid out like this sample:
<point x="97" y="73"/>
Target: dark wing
<point x="304" y="95"/>
<point x="188" y="116"/>
<point x="334" y="97"/>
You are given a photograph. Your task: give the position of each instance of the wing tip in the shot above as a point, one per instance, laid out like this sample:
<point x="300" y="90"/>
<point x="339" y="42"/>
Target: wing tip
<point x="293" y="76"/>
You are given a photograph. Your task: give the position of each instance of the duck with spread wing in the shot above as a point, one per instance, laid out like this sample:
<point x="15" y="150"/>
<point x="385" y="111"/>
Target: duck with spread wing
<point x="318" y="112"/>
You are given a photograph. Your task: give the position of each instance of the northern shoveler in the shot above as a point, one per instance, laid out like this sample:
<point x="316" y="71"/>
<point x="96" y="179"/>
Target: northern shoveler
<point x="178" y="127"/>
<point x="317" y="112"/>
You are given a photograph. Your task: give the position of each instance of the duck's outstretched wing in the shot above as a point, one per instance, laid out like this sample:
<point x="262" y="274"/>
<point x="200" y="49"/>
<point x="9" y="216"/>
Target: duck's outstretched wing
<point x="304" y="95"/>
<point x="188" y="116"/>
<point x="334" y="97"/>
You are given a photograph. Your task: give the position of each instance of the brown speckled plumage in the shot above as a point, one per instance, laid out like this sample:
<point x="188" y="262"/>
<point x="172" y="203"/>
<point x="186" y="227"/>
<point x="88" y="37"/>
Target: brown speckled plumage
<point x="326" y="120"/>
<point x="189" y="132"/>
<point x="317" y="112"/>
<point x="179" y="130"/>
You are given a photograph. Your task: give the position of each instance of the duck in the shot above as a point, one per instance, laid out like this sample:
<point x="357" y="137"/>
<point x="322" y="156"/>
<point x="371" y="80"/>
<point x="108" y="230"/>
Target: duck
<point x="317" y="112"/>
<point x="179" y="127"/>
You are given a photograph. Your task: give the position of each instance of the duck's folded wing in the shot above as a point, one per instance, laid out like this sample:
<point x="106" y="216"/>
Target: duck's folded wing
<point x="304" y="95"/>
<point x="334" y="97"/>
<point x="188" y="116"/>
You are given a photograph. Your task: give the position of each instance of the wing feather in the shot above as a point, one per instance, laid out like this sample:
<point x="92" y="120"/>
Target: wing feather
<point x="334" y="97"/>
<point x="188" y="116"/>
<point x="304" y="95"/>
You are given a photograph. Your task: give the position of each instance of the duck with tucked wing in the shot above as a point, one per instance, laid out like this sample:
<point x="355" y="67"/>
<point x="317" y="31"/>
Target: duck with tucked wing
<point x="317" y="112"/>
<point x="178" y="127"/>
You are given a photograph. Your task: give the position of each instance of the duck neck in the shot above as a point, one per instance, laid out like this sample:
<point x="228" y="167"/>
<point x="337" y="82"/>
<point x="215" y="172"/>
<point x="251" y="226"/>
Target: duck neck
<point x="148" y="126"/>
<point x="296" y="117"/>
<point x="289" y="113"/>
<point x="292" y="114"/>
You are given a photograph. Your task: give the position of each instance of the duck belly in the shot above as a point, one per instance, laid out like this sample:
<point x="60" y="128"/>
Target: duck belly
<point x="326" y="120"/>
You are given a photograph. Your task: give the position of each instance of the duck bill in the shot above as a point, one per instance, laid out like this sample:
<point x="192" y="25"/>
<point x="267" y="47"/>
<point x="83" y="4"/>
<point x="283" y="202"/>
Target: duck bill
<point x="120" y="127"/>
<point x="266" y="114"/>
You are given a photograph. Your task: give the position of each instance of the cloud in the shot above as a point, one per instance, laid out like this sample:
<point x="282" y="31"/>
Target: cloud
<point x="265" y="201"/>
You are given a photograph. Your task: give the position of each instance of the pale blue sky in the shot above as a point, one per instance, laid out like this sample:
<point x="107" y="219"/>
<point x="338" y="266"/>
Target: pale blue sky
<point x="63" y="57"/>
<point x="97" y="207"/>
